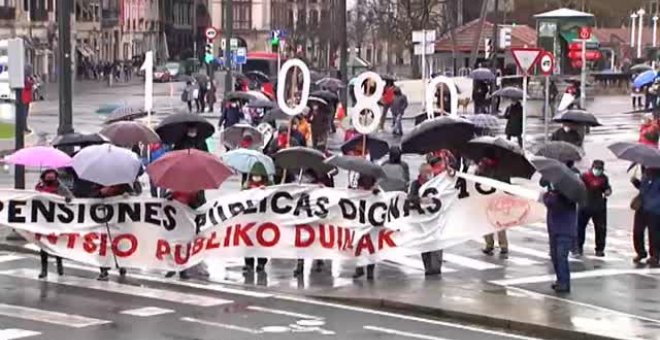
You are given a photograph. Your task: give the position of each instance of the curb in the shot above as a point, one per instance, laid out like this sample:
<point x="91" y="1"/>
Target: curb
<point x="520" y="327"/>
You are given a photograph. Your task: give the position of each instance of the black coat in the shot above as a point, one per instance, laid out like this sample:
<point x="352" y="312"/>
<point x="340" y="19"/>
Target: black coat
<point x="514" y="116"/>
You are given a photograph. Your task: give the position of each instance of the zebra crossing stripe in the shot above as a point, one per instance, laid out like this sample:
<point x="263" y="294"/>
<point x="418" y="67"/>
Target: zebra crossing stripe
<point x="41" y="315"/>
<point x="113" y="287"/>
<point x="16" y="333"/>
<point x="469" y="262"/>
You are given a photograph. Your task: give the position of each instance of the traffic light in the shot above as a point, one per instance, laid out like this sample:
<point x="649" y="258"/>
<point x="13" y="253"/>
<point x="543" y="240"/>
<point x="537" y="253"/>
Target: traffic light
<point x="275" y="38"/>
<point x="208" y="55"/>
<point x="488" y="48"/>
<point x="505" y="38"/>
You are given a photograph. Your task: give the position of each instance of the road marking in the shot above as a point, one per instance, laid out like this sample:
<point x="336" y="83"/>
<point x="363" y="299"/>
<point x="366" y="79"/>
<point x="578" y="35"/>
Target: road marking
<point x="15" y="333"/>
<point x="205" y="286"/>
<point x="530" y="252"/>
<point x="221" y="325"/>
<point x="402" y="333"/>
<point x="400" y="316"/>
<point x="580" y="275"/>
<point x="416" y="264"/>
<point x="522" y="261"/>
<point x="581" y="304"/>
<point x="9" y="258"/>
<point x="283" y="312"/>
<point x="113" y="287"/>
<point x="468" y="262"/>
<point x="147" y="311"/>
<point x="55" y="318"/>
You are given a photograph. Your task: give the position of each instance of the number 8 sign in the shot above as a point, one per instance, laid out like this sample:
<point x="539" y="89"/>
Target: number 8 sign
<point x="367" y="102"/>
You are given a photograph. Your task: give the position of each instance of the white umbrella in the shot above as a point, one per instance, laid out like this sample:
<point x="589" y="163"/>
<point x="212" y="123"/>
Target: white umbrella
<point x="107" y="165"/>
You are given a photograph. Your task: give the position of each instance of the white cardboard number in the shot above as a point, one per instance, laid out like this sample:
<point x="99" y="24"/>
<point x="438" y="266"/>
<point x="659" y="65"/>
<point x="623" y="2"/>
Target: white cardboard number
<point x="281" y="87"/>
<point x="430" y="95"/>
<point x="367" y="102"/>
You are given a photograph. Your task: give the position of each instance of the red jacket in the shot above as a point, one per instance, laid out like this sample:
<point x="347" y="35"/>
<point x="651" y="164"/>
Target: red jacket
<point x="26" y="94"/>
<point x="649" y="134"/>
<point x="388" y="95"/>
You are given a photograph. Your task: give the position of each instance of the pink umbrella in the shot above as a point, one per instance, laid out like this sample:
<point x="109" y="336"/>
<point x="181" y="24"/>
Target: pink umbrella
<point x="188" y="171"/>
<point x="42" y="157"/>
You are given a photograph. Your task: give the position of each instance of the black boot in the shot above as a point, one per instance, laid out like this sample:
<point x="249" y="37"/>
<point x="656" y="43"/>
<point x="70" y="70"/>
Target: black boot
<point x="44" y="264"/>
<point x="300" y="265"/>
<point x="370" y="271"/>
<point x="104" y="276"/>
<point x="60" y="267"/>
<point x="359" y="272"/>
<point x="318" y="265"/>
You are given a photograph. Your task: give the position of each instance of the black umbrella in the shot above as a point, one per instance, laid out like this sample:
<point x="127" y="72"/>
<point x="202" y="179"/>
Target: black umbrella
<point x="330" y="83"/>
<point x="388" y="78"/>
<point x="436" y="134"/>
<point x="79" y="139"/>
<point x="511" y="159"/>
<point x="641" y="68"/>
<point x="239" y="95"/>
<point x="125" y="113"/>
<point x="639" y="153"/>
<point x="300" y="159"/>
<point x="561" y="151"/>
<point x="316" y="100"/>
<point x="326" y="95"/>
<point x="422" y="117"/>
<point x="356" y="164"/>
<point x="377" y="148"/>
<point x="261" y="104"/>
<point x="485" y="123"/>
<point x="482" y="74"/>
<point x="258" y="76"/>
<point x="563" y="179"/>
<point x="576" y="117"/>
<point x="315" y="76"/>
<point x="174" y="127"/>
<point x="275" y="114"/>
<point x="509" y="92"/>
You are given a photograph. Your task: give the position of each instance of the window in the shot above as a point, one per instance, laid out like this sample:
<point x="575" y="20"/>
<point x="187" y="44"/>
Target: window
<point x="242" y="10"/>
<point x="7" y="3"/>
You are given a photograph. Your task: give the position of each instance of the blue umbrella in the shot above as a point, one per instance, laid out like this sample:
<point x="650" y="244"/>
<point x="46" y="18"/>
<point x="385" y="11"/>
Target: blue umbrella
<point x="644" y="79"/>
<point x="242" y="160"/>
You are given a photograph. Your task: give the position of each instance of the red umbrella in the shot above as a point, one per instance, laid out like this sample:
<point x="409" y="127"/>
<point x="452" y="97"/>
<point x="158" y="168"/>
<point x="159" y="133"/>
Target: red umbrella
<point x="188" y="171"/>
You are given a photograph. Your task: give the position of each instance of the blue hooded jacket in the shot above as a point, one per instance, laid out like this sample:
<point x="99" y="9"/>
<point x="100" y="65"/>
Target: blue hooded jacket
<point x="650" y="190"/>
<point x="561" y="214"/>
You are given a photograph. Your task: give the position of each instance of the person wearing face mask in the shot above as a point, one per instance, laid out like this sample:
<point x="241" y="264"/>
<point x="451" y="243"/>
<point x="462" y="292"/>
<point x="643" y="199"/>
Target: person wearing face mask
<point x="433" y="259"/>
<point x="191" y="140"/>
<point x="231" y="115"/>
<point x="598" y="189"/>
<point x="567" y="133"/>
<point x="49" y="183"/>
<point x="256" y="178"/>
<point x="561" y="221"/>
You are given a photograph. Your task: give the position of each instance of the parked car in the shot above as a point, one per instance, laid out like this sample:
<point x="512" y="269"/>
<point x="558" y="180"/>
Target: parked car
<point x="162" y="74"/>
<point x="174" y="68"/>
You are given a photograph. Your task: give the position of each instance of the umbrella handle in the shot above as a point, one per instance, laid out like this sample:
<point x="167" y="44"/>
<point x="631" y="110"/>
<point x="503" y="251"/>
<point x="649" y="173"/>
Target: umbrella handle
<point x="107" y="228"/>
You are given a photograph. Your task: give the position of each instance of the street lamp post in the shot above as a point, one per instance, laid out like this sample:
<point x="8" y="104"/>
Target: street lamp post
<point x="633" y="18"/>
<point x="640" y="28"/>
<point x="655" y="30"/>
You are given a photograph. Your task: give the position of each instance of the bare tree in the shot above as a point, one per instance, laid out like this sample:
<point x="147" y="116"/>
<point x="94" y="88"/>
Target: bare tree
<point x="399" y="18"/>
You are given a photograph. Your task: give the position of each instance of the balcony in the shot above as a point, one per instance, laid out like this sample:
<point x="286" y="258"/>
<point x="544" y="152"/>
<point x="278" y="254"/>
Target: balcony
<point x="7" y="13"/>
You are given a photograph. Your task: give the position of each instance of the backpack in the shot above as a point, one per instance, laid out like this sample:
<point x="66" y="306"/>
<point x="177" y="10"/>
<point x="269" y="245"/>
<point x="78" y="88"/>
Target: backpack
<point x="184" y="96"/>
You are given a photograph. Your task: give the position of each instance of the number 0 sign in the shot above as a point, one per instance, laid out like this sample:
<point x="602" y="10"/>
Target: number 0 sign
<point x="281" y="87"/>
<point x="430" y="95"/>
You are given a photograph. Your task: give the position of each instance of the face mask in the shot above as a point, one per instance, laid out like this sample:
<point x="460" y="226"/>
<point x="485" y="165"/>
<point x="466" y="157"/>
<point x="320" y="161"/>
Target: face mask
<point x="551" y="187"/>
<point x="597" y="172"/>
<point x="567" y="129"/>
<point x="234" y="105"/>
<point x="256" y="178"/>
<point x="192" y="134"/>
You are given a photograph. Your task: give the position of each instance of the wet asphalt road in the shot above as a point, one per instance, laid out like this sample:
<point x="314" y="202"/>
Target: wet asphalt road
<point x="77" y="306"/>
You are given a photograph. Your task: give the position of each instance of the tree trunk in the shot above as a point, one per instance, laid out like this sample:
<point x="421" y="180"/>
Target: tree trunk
<point x="414" y="63"/>
<point x="477" y="39"/>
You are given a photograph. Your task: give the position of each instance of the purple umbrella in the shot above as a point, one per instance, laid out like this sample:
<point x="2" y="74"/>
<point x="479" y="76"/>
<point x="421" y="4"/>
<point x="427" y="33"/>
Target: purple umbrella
<point x="43" y="157"/>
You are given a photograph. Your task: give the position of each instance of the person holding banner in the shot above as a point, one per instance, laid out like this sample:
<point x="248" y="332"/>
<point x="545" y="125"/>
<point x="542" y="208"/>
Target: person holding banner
<point x="366" y="183"/>
<point x="257" y="178"/>
<point x="107" y="192"/>
<point x="487" y="168"/>
<point x="433" y="259"/>
<point x="49" y="183"/>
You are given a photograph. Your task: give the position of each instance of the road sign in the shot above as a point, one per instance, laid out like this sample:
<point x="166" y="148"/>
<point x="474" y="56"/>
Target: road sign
<point x="585" y="33"/>
<point x="418" y="36"/>
<point x="211" y="33"/>
<point x="233" y="43"/>
<point x="488" y="47"/>
<point x="547" y="63"/>
<point x="241" y="55"/>
<point x="526" y="58"/>
<point x="419" y="49"/>
<point x="505" y="38"/>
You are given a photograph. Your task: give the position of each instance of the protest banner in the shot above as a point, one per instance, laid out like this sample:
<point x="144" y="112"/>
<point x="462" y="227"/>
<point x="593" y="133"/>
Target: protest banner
<point x="286" y="221"/>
